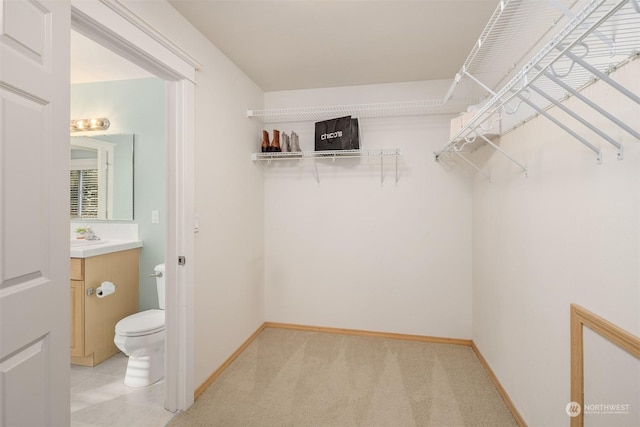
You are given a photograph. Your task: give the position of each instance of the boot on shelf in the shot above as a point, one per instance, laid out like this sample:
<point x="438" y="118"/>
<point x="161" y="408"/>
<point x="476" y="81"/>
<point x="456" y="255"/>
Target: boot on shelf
<point x="275" y="144"/>
<point x="285" y="142"/>
<point x="295" y="142"/>
<point x="265" y="141"/>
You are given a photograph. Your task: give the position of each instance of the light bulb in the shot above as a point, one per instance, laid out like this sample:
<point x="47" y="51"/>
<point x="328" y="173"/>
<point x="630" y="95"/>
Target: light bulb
<point x="100" y="123"/>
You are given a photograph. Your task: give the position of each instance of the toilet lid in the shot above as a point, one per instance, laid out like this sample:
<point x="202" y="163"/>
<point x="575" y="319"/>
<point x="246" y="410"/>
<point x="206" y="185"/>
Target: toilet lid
<point x="143" y="323"/>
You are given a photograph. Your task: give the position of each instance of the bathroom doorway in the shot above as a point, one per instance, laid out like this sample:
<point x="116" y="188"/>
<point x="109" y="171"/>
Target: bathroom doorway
<point x="131" y="202"/>
<point x="113" y="26"/>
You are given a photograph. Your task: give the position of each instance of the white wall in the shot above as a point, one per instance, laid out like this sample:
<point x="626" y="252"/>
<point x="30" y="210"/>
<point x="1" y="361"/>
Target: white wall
<point x="569" y="233"/>
<point x="349" y="253"/>
<point x="229" y="289"/>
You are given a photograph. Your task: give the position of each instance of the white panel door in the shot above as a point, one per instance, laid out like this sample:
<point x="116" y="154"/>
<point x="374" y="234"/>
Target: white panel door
<point x="34" y="212"/>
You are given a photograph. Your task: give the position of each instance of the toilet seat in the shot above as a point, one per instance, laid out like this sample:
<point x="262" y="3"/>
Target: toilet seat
<point x="143" y="323"/>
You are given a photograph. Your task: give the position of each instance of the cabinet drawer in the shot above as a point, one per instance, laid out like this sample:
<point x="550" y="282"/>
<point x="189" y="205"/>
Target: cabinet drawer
<point x="77" y="269"/>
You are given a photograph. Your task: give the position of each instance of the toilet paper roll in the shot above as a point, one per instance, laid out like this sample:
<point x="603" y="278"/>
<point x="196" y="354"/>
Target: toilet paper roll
<point x="105" y="288"/>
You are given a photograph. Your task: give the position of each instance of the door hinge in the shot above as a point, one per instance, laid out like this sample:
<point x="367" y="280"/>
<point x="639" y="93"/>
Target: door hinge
<point x="182" y="260"/>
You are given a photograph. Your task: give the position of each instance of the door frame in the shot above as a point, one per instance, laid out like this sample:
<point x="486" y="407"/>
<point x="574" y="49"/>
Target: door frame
<point x="117" y="28"/>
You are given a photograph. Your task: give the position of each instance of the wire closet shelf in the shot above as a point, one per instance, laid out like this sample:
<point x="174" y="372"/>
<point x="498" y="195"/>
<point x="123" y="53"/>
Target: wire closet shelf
<point x="327" y="154"/>
<point x="600" y="38"/>
<point x="333" y="155"/>
<point x="382" y="109"/>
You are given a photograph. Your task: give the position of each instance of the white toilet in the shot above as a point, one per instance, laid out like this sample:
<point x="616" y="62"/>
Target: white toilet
<point x="141" y="337"/>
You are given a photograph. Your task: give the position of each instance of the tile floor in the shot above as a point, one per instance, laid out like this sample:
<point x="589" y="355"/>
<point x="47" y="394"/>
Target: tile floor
<point x="100" y="398"/>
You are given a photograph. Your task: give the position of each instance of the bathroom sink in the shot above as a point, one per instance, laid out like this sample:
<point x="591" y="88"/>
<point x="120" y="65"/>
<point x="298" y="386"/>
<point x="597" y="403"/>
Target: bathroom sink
<point x="84" y="242"/>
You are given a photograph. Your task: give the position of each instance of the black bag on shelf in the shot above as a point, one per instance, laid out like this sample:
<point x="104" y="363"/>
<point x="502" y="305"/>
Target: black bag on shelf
<point x="355" y="134"/>
<point x="337" y="134"/>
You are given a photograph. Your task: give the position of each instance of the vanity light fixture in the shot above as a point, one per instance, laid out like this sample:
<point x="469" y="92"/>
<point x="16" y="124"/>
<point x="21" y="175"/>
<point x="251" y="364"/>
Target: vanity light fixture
<point x="79" y="125"/>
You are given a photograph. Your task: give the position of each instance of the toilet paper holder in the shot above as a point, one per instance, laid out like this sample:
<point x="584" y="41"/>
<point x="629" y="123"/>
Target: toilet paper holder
<point x="105" y="289"/>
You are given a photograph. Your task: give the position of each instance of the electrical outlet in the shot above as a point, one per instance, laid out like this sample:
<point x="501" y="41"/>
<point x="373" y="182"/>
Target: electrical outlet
<point x="155" y="217"/>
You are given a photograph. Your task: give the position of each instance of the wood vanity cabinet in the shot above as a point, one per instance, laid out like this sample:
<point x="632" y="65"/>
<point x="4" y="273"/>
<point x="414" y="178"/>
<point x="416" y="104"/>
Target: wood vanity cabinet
<point x="93" y="319"/>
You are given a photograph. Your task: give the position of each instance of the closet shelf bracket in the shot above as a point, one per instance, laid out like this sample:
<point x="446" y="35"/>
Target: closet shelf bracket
<point x="449" y="154"/>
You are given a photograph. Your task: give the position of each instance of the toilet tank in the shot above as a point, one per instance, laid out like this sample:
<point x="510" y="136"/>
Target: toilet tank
<point x="160" y="284"/>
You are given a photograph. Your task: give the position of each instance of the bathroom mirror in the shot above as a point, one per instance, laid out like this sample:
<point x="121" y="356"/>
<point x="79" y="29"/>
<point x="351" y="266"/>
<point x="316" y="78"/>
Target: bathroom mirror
<point x="101" y="177"/>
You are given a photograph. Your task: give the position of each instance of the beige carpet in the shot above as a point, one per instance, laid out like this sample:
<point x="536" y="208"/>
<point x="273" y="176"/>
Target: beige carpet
<point x="300" y="378"/>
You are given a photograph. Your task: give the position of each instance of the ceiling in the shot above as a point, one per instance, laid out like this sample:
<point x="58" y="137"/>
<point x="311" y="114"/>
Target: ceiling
<point x="303" y="44"/>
